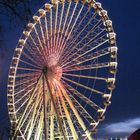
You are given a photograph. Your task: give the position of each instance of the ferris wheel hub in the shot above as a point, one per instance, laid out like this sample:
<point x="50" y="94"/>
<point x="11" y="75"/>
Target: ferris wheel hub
<point x="45" y="69"/>
<point x="53" y="72"/>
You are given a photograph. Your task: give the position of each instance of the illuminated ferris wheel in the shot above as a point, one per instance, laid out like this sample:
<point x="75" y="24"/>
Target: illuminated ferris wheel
<point x="62" y="72"/>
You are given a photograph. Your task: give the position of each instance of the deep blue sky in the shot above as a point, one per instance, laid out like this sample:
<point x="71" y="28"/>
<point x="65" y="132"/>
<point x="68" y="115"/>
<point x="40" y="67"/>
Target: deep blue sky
<point x="124" y="113"/>
<point x="126" y="98"/>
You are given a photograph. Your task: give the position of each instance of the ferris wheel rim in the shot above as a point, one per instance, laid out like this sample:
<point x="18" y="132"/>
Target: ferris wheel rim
<point x="110" y="34"/>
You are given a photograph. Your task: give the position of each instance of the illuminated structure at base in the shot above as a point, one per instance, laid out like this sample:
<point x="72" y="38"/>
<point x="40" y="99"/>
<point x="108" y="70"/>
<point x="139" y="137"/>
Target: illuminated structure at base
<point x="62" y="72"/>
<point x="135" y="135"/>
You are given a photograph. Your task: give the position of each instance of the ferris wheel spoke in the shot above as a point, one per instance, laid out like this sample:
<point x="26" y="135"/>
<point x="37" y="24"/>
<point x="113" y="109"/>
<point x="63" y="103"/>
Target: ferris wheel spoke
<point x="80" y="108"/>
<point x="92" y="31"/>
<point x="52" y="125"/>
<point x="94" y="55"/>
<point x="81" y="96"/>
<point x="59" y="29"/>
<point x="30" y="58"/>
<point x="26" y="94"/>
<point x="47" y="36"/>
<point x="82" y="111"/>
<point x="25" y="81"/>
<point x="23" y="121"/>
<point x="26" y="118"/>
<point x="88" y="134"/>
<point x="74" y="133"/>
<point x="28" y="104"/>
<point x="83" y="86"/>
<point x="89" y="57"/>
<point x="35" y="114"/>
<point x="28" y="126"/>
<point x="28" y="69"/>
<point x="74" y="46"/>
<point x="29" y="123"/>
<point x="67" y="33"/>
<point x="55" y="108"/>
<point x="96" y="45"/>
<point x="74" y="39"/>
<point x="46" y="99"/>
<point x="36" y="48"/>
<point x="26" y="100"/>
<point x="87" y="67"/>
<point x="23" y="103"/>
<point x="42" y="33"/>
<point x="62" y="112"/>
<point x="25" y="88"/>
<point x="55" y="26"/>
<point x="64" y="26"/>
<point x="80" y="23"/>
<point x="40" y="44"/>
<point x="25" y="62"/>
<point x="30" y="49"/>
<point x="52" y="47"/>
<point x="39" y="127"/>
<point x="39" y="39"/>
<point x="85" y="76"/>
<point x="33" y="74"/>
<point x="44" y="38"/>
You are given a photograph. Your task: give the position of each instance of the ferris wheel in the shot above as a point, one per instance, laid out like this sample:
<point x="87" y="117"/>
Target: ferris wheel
<point x="62" y="72"/>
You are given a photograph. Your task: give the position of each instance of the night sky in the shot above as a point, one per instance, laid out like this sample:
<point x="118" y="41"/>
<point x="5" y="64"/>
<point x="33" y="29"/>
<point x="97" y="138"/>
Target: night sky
<point x="123" y="116"/>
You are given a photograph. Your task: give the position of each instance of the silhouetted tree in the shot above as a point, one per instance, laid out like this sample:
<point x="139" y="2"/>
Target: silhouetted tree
<point x="16" y="12"/>
<point x="1" y="134"/>
<point x="13" y="13"/>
